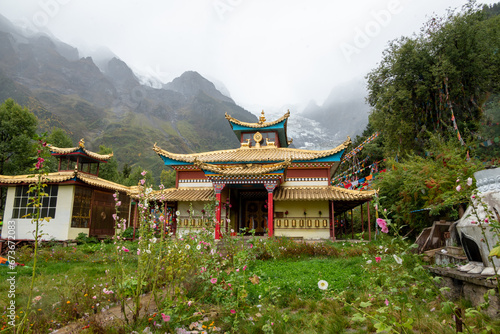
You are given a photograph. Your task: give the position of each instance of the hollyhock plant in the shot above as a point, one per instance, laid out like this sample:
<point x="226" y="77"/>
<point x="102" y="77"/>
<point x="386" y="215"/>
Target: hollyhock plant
<point x="383" y="225"/>
<point x="378" y="259"/>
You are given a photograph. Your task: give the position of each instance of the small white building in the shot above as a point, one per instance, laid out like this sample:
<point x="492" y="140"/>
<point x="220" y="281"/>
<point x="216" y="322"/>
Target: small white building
<point x="77" y="199"/>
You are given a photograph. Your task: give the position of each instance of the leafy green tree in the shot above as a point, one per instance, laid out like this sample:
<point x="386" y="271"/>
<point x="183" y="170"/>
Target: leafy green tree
<point x="126" y="171"/>
<point x="109" y="170"/>
<point x="136" y="176"/>
<point x="58" y="138"/>
<point x="426" y="182"/>
<point x="167" y="178"/>
<point x="435" y="81"/>
<point x="17" y="128"/>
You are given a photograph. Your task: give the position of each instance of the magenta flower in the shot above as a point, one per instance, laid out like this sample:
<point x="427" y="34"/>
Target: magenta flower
<point x="213" y="280"/>
<point x="383" y="225"/>
<point x="244" y="267"/>
<point x="125" y="249"/>
<point x="378" y="259"/>
<point x="233" y="311"/>
<point x="165" y="318"/>
<point x="386" y="302"/>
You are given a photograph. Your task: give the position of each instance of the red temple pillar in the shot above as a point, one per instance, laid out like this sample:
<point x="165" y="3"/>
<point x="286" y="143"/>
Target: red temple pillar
<point x="270" y="207"/>
<point x="218" y="190"/>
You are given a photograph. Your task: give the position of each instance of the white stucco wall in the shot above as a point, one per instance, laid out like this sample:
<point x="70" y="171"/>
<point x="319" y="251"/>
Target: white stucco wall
<point x="57" y="228"/>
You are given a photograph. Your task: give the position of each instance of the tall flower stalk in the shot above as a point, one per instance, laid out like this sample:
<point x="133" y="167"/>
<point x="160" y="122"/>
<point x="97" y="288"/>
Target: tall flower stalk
<point x="36" y="191"/>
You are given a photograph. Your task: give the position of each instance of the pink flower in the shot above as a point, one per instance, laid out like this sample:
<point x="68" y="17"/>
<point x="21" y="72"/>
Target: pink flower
<point x="458" y="188"/>
<point x="233" y="311"/>
<point x="386" y="302"/>
<point x="383" y="225"/>
<point x="165" y="318"/>
<point x="213" y="280"/>
<point x="237" y="270"/>
<point x="458" y="180"/>
<point x="473" y="196"/>
<point x="138" y="252"/>
<point x="190" y="303"/>
<point x="143" y="173"/>
<point x="125" y="249"/>
<point x="378" y="259"/>
<point x="251" y="245"/>
<point x="244" y="267"/>
<point x="486" y="220"/>
<point x="118" y="203"/>
<point x="142" y="181"/>
<point x="469" y="181"/>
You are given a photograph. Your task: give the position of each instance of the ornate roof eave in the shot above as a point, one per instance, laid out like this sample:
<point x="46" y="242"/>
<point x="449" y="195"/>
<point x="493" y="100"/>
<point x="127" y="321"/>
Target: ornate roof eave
<point x="242" y="169"/>
<point x="258" y="125"/>
<point x="58" y="150"/>
<point x="183" y="194"/>
<point x="244" y="155"/>
<point x="60" y="177"/>
<point x="315" y="193"/>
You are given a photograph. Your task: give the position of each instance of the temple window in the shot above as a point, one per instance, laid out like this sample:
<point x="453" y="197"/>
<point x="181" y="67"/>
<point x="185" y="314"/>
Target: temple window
<point x="23" y="207"/>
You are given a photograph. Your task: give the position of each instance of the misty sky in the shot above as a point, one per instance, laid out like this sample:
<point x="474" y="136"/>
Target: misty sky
<point x="266" y="52"/>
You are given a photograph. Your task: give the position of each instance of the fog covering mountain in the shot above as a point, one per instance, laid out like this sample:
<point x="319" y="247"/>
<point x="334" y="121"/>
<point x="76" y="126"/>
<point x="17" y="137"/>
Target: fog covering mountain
<point x="108" y="105"/>
<point x="101" y="99"/>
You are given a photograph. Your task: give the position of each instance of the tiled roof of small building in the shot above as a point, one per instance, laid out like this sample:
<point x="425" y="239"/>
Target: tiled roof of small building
<point x="58" y="150"/>
<point x="59" y="177"/>
<point x="305" y="193"/>
<point x="183" y="194"/>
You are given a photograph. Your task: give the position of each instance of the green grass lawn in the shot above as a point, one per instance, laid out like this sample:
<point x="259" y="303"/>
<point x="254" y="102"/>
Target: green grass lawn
<point x="284" y="299"/>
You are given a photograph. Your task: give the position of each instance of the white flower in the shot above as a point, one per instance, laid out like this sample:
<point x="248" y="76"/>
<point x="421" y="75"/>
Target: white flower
<point x="397" y="259"/>
<point x="188" y="246"/>
<point x="369" y="261"/>
<point x="323" y="285"/>
<point x="154" y="240"/>
<point x="198" y="247"/>
<point x="177" y="213"/>
<point x="148" y="251"/>
<point x="232" y="231"/>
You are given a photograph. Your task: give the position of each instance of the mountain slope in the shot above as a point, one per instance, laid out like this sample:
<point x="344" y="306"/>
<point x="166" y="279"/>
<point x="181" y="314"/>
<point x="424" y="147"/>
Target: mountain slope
<point x="107" y="105"/>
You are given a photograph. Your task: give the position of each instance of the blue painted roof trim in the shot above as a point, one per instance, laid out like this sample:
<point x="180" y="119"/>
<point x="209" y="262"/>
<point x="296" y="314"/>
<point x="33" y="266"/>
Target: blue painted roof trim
<point x="280" y="125"/>
<point x="332" y="158"/>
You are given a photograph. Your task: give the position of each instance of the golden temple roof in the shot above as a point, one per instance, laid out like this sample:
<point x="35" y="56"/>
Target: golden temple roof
<point x="262" y="123"/>
<point x="68" y="150"/>
<point x="252" y="154"/>
<point x="318" y="193"/>
<point x="183" y="194"/>
<point x="59" y="177"/>
<point x="242" y="169"/>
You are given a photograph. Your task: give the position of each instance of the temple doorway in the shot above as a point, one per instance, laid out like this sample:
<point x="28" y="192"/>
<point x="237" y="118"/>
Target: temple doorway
<point x="254" y="211"/>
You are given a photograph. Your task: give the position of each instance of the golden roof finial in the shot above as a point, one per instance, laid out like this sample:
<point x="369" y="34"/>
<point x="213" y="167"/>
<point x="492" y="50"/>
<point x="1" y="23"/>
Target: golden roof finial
<point x="81" y="143"/>
<point x="262" y="118"/>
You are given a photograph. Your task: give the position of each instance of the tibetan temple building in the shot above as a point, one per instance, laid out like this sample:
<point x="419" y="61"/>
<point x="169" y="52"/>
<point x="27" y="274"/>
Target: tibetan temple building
<point x="263" y="185"/>
<point x="78" y="200"/>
